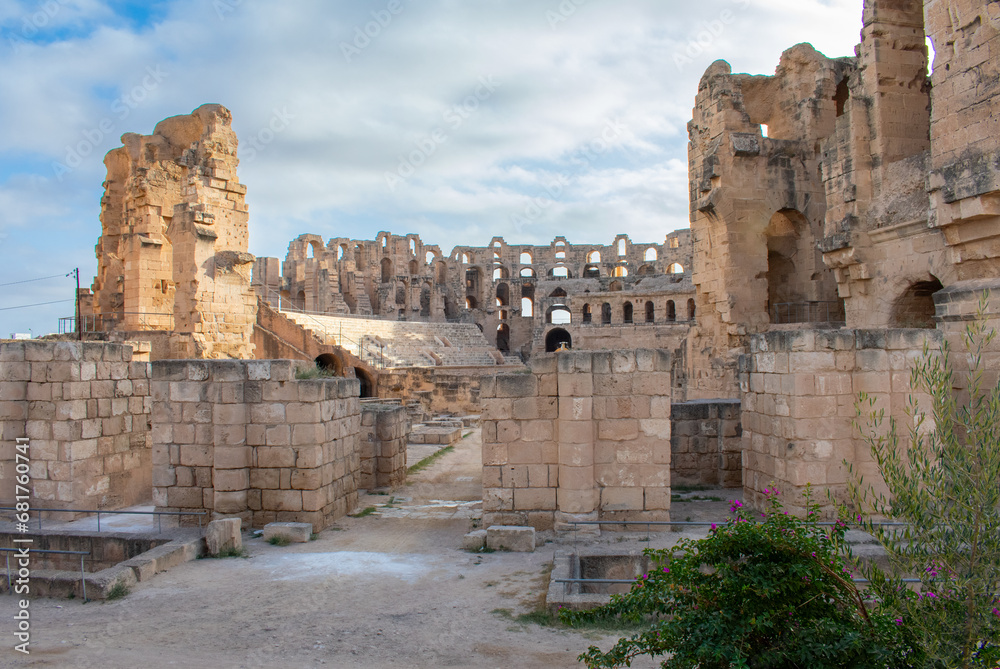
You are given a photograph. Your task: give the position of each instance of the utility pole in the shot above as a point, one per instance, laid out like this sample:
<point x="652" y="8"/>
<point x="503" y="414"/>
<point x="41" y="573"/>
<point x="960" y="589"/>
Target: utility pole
<point x="79" y="325"/>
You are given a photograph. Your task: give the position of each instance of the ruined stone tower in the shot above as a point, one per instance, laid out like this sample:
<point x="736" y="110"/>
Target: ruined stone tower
<point x="172" y="258"/>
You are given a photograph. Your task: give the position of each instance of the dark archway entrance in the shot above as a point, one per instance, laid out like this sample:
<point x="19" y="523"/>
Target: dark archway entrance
<point x="503" y="338"/>
<point x="367" y="385"/>
<point x="556" y="337"/>
<point x="329" y="363"/>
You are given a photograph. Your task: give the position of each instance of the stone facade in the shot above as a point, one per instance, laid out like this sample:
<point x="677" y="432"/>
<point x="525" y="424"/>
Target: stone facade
<point x="247" y="439"/>
<point x="516" y="294"/>
<point x="706" y="443"/>
<point x="583" y="436"/>
<point x="172" y="257"/>
<point x="85" y="410"/>
<point x="384" y="431"/>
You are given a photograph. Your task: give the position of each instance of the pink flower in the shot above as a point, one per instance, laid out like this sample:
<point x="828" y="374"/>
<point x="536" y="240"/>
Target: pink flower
<point x="899" y="621"/>
<point x="713" y="527"/>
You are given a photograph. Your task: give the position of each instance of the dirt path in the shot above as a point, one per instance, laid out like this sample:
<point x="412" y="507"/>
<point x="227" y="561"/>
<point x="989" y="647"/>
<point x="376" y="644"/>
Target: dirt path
<point x="387" y="590"/>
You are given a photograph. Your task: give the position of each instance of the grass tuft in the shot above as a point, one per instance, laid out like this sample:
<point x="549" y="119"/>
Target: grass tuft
<point x="279" y="540"/>
<point x="117" y="591"/>
<point x="426" y="462"/>
<point x="366" y="512"/>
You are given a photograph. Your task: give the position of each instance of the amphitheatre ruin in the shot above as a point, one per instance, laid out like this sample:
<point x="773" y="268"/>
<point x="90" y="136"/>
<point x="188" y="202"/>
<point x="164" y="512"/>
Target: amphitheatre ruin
<point x="844" y="214"/>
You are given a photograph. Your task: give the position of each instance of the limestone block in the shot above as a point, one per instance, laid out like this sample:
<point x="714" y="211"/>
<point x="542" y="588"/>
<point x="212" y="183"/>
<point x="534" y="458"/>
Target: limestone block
<point x="294" y="532"/>
<point x="223" y="535"/>
<point x="474" y="541"/>
<point x="518" y="539"/>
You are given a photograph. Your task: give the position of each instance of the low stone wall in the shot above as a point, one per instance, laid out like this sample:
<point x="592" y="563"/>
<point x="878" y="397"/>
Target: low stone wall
<point x="584" y="435"/>
<point x="705" y="443"/>
<point x="800" y="389"/>
<point x="246" y="438"/>
<point x="84" y="409"/>
<point x="384" y="430"/>
<point x="451" y="390"/>
<point x="105" y="549"/>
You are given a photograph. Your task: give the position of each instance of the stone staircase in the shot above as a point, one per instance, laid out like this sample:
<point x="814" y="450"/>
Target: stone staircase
<point x="406" y="343"/>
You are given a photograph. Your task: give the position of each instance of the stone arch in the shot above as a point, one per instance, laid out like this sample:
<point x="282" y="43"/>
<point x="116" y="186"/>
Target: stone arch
<point x="558" y="314"/>
<point x="555" y="337"/>
<point x="387" y="272"/>
<point x="675" y="268"/>
<point x="650" y="255"/>
<point x="330" y="363"/>
<point x="425" y="299"/>
<point x="527" y="307"/>
<point x="503" y="338"/>
<point x="367" y="382"/>
<point x="650" y="312"/>
<point x="627" y="313"/>
<point x="503" y="295"/>
<point x="442" y="272"/>
<point x="914" y="308"/>
<point x="621" y="271"/>
<point x="671" y="311"/>
<point x="591" y="272"/>
<point x="646" y="270"/>
<point x="605" y="314"/>
<point x="594" y="257"/>
<point x="414" y="268"/>
<point x="525" y="258"/>
<point x="691" y="309"/>
<point x="588" y="316"/>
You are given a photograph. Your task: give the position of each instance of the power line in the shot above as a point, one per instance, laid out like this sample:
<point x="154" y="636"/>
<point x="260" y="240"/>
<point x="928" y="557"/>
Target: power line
<point x="43" y="278"/>
<point x="38" y="304"/>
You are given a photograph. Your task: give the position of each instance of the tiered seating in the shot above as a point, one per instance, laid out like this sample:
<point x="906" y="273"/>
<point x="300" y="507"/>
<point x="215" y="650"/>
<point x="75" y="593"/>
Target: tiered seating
<point x="406" y="343"/>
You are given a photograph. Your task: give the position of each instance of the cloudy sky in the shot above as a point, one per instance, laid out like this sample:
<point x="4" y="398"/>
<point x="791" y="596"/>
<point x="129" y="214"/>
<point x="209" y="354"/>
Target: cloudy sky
<point x="458" y="120"/>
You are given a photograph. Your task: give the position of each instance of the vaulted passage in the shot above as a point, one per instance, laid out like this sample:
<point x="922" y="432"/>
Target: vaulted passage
<point x="555" y="338"/>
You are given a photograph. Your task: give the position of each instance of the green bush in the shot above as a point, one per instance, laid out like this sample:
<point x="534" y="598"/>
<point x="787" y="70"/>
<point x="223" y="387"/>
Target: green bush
<point x="773" y="591"/>
<point x="943" y="481"/>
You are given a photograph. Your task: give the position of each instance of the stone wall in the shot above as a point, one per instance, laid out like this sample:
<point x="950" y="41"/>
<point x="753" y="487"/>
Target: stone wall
<point x="85" y="408"/>
<point x="800" y="390"/>
<point x="246" y="438"/>
<point x="706" y="443"/>
<point x="455" y="390"/>
<point x="384" y="432"/>
<point x="582" y="436"/>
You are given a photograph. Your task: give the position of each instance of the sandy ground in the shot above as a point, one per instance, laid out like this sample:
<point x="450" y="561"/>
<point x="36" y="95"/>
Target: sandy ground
<point x="392" y="589"/>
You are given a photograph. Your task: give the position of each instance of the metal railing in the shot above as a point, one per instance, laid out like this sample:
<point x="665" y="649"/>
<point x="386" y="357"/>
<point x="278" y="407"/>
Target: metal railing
<point x="120" y="320"/>
<point x="158" y="514"/>
<point x="82" y="554"/>
<point x="808" y="312"/>
<point x="375" y="356"/>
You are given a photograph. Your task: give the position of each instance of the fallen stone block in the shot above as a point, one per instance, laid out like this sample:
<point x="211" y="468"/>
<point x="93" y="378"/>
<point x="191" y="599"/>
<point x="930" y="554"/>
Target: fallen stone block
<point x="294" y="532"/>
<point x="474" y="541"/>
<point x="223" y="535"/>
<point x="516" y="538"/>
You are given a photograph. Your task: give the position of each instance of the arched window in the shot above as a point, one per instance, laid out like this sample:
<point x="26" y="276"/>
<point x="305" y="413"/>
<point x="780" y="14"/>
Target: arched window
<point x="591" y="272"/>
<point x="621" y="270"/>
<point x="671" y="311"/>
<point x="556" y="338"/>
<point x="650" y="315"/>
<point x="915" y="307"/>
<point x="621" y="247"/>
<point x="560" y="250"/>
<point x="386" y="270"/>
<point x="675" y="268"/>
<point x="471" y="303"/>
<point x="503" y="295"/>
<point x="413" y="247"/>
<point x="500" y="273"/>
<point x="691" y="310"/>
<point x="559" y="314"/>
<point x="525" y="258"/>
<point x="594" y="257"/>
<point x="414" y="268"/>
<point x="615" y="286"/>
<point x="465" y="258"/>
<point x="587" y="315"/>
<point x="528" y="273"/>
<point x="560" y="272"/>
<point x="627" y="312"/>
<point x="605" y="313"/>
<point x="341" y="250"/>
<point x="674" y="243"/>
<point x="650" y="254"/>
<point x="527" y="307"/>
<point x="429" y="257"/>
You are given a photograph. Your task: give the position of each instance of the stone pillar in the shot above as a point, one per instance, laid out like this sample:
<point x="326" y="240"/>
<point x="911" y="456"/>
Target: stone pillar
<point x="577" y="496"/>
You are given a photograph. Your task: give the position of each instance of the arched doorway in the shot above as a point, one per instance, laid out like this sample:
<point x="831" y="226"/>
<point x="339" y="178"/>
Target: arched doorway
<point x="915" y="307"/>
<point x="367" y="384"/>
<point x="555" y="338"/>
<point x="503" y="338"/>
<point x="329" y="363"/>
